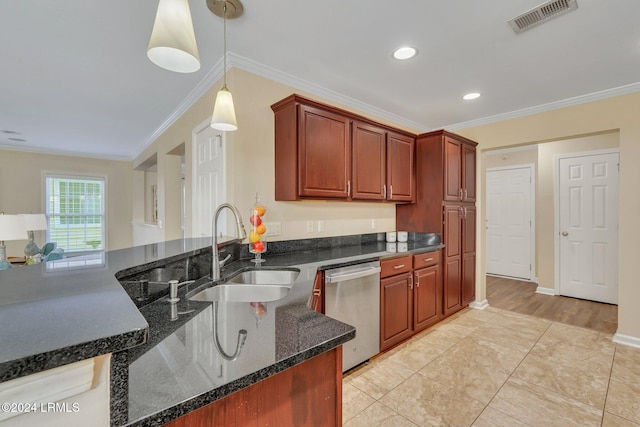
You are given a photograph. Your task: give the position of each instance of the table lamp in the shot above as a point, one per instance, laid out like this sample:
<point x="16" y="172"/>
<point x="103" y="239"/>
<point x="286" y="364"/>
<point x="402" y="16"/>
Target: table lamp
<point x="12" y="227"/>
<point x="33" y="222"/>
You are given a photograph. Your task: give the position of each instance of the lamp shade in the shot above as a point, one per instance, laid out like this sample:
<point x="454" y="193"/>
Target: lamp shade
<point x="224" y="114"/>
<point x="34" y="222"/>
<point x="12" y="227"/>
<point x="173" y="43"/>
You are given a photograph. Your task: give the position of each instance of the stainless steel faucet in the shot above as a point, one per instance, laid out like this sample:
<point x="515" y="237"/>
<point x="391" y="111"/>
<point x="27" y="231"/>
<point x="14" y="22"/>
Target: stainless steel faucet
<point x="215" y="256"/>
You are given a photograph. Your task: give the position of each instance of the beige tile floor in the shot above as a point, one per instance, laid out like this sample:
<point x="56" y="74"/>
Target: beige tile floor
<point x="497" y="368"/>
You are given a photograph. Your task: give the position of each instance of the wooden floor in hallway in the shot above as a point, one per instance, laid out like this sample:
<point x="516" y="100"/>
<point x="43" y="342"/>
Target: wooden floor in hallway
<point x="520" y="297"/>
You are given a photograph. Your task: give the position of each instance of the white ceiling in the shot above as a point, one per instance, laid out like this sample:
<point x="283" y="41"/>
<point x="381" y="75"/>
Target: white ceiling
<point x="74" y="76"/>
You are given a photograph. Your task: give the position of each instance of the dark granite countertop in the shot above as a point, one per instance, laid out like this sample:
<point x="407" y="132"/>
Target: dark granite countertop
<point x="180" y="369"/>
<point x="64" y="311"/>
<point x="73" y="309"/>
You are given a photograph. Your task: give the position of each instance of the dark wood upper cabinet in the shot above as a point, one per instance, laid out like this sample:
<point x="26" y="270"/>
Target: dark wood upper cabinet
<point x="468" y="173"/>
<point x="369" y="161"/>
<point x="325" y="153"/>
<point x="401" y="177"/>
<point x="452" y="170"/>
<point x="322" y="152"/>
<point x="445" y="173"/>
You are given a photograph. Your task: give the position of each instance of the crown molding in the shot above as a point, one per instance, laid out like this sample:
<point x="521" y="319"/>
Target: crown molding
<point x="262" y="70"/>
<point x="54" y="152"/>
<point x="248" y="65"/>
<point x="198" y="92"/>
<point x="569" y="102"/>
<point x="270" y="73"/>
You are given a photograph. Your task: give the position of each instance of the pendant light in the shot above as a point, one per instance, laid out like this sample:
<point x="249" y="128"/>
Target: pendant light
<point x="173" y="43"/>
<point x="224" y="113"/>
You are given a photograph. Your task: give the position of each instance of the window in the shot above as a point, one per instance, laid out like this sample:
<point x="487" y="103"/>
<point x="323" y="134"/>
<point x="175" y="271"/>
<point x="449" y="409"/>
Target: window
<point x="75" y="212"/>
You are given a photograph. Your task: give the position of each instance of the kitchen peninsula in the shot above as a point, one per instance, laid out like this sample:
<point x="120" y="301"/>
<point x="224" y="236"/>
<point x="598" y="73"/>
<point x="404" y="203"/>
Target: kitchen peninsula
<point x="77" y="309"/>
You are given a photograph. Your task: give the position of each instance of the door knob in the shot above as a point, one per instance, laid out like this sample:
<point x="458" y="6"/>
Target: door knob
<point x="564" y="233"/>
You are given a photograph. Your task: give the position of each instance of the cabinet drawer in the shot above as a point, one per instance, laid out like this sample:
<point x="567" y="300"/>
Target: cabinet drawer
<point x="393" y="266"/>
<point x="426" y="259"/>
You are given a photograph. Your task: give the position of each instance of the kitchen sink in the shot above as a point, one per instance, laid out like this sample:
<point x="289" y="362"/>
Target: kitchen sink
<point x="264" y="276"/>
<point x="242" y="293"/>
<point x="251" y="285"/>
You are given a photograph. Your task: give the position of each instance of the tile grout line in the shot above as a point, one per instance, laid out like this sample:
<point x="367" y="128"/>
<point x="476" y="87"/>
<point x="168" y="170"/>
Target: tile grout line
<point x="511" y="374"/>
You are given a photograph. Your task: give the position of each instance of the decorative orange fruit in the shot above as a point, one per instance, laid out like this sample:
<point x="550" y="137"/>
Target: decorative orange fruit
<point x="260" y="210"/>
<point x="261" y="229"/>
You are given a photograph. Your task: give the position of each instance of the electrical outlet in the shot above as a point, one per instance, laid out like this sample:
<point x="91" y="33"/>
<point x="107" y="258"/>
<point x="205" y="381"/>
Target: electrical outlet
<point x="373" y="224"/>
<point x="309" y="226"/>
<point x="273" y="228"/>
<point x="320" y="226"/>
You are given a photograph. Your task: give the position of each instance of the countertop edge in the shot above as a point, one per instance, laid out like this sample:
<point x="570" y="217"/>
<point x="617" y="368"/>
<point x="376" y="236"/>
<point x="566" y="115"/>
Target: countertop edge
<point x="39" y="362"/>
<point x="183" y="408"/>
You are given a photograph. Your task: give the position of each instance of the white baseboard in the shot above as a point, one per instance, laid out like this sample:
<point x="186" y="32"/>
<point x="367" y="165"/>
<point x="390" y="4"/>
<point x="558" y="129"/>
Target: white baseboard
<point x="479" y="305"/>
<point x="545" y="291"/>
<point x="626" y="340"/>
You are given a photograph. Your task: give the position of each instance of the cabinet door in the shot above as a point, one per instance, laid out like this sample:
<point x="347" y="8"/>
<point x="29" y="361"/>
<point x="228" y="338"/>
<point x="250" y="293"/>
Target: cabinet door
<point x="369" y="154"/>
<point x="452" y="170"/>
<point x="468" y="254"/>
<point x="469" y="173"/>
<point x="400" y="168"/>
<point x="453" y="259"/>
<point x="396" y="296"/>
<point x="427" y="285"/>
<point x="324" y="161"/>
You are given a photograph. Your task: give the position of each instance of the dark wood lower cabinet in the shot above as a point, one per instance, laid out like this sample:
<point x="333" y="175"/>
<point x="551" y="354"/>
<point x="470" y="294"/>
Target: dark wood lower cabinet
<point x="410" y="296"/>
<point x="427" y="295"/>
<point x="308" y="394"/>
<point x="396" y="323"/>
<point x="452" y="282"/>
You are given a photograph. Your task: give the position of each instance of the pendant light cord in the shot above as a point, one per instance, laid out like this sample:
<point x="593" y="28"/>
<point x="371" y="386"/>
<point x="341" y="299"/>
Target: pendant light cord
<point x="224" y="11"/>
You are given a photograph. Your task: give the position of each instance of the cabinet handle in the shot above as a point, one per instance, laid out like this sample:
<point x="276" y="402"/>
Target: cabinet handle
<point x="428" y="259"/>
<point x="397" y="267"/>
<point x="411" y="282"/>
<point x="465" y="194"/>
<point x="384" y="191"/>
<point x="461" y="212"/>
<point x="460" y="194"/>
<point x="417" y="280"/>
<point x="465" y="213"/>
<point x="390" y="191"/>
<point x="349" y="188"/>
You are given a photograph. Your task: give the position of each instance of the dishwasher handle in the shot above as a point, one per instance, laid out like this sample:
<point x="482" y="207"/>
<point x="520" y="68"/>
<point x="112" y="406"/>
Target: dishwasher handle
<point x="351" y="275"/>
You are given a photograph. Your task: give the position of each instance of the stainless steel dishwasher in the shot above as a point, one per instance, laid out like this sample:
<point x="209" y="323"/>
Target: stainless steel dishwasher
<point x="352" y="295"/>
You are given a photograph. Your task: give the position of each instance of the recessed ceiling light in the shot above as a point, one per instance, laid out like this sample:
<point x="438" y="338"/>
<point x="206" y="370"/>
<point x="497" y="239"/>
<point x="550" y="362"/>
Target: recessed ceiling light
<point x="470" y="96"/>
<point x="405" y="52"/>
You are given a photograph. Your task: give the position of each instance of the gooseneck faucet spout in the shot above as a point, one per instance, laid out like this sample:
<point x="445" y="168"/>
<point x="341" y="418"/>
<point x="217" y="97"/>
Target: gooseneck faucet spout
<point x="215" y="256"/>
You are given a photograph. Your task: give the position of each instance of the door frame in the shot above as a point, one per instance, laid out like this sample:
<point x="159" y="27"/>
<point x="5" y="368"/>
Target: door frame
<point x="532" y="253"/>
<point x="556" y="204"/>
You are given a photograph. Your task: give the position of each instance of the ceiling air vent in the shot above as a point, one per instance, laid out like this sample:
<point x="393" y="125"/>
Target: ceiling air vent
<point x="541" y="14"/>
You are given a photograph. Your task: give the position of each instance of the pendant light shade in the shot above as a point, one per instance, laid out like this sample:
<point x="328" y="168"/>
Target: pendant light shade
<point x="173" y="43"/>
<point x="224" y="114"/>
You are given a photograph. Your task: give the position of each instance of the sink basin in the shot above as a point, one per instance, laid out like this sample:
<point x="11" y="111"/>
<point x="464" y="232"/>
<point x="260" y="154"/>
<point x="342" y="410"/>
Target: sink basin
<point x="263" y="276"/>
<point x="252" y="285"/>
<point x="242" y="293"/>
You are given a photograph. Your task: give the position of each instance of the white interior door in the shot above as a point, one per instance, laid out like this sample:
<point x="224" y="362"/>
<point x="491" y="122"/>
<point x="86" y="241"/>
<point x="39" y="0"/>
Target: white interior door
<point x="208" y="179"/>
<point x="588" y="225"/>
<point x="509" y="222"/>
